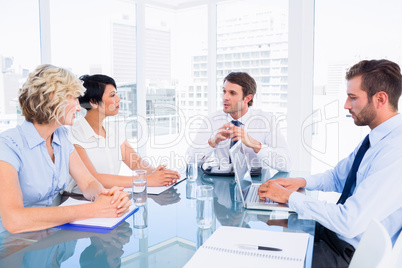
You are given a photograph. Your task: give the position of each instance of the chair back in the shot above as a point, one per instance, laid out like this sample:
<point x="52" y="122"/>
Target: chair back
<point x="374" y="249"/>
<point x="396" y="255"/>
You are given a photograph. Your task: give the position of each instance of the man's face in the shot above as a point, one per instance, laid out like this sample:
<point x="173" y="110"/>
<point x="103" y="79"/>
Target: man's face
<point x="233" y="101"/>
<point x="362" y="110"/>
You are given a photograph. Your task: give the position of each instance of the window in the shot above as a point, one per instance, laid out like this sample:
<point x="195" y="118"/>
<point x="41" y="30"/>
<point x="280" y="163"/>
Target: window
<point x="19" y="54"/>
<point x="175" y="63"/>
<point x="337" y="47"/>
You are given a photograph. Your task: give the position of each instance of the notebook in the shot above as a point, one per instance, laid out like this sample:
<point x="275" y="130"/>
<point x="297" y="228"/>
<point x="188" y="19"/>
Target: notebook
<point x="97" y="225"/>
<point x="238" y="247"/>
<point x="247" y="190"/>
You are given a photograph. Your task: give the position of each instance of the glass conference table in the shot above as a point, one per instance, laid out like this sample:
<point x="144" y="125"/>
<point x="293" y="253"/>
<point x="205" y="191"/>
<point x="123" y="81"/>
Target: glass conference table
<point x="164" y="233"/>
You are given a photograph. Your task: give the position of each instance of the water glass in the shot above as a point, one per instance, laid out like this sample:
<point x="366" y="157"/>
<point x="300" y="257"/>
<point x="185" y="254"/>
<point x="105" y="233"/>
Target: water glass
<point x="191" y="188"/>
<point x="205" y="206"/>
<point x="192" y="171"/>
<point x="141" y="217"/>
<point x="140" y="187"/>
<point x="203" y="235"/>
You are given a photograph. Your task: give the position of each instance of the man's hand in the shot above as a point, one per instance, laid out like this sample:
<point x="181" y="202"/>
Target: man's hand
<point x="280" y="189"/>
<point x="274" y="191"/>
<point x="230" y="131"/>
<point x="222" y="134"/>
<point x="292" y="184"/>
<point x="238" y="133"/>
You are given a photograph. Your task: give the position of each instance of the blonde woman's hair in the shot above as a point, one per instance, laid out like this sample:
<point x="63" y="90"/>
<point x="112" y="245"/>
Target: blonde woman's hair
<point x="44" y="96"/>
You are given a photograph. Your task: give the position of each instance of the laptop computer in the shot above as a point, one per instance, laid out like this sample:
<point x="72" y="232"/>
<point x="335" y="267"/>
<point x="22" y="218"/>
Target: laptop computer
<point x="247" y="190"/>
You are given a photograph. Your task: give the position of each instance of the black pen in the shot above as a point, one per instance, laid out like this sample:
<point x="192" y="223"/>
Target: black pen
<point x="255" y="247"/>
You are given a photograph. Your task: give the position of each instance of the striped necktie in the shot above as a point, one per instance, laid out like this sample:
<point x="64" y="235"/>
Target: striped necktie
<point x="237" y="124"/>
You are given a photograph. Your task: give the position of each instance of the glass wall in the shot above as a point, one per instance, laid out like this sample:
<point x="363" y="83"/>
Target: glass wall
<point x="100" y="39"/>
<point x="252" y="37"/>
<point x="344" y="35"/>
<point x="175" y="77"/>
<point x="19" y="53"/>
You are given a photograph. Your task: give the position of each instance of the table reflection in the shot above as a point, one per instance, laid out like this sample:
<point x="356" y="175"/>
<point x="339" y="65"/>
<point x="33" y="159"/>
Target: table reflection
<point x="52" y="247"/>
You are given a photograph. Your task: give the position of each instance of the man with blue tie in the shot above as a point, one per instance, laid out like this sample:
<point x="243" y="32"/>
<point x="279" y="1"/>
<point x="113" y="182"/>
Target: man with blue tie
<point x="261" y="139"/>
<point x="369" y="178"/>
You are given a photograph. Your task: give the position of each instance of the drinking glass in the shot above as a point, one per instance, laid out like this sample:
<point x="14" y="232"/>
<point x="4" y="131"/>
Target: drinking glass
<point x="192" y="171"/>
<point x="205" y="206"/>
<point x="140" y="187"/>
<point x="141" y="217"/>
<point x="191" y="188"/>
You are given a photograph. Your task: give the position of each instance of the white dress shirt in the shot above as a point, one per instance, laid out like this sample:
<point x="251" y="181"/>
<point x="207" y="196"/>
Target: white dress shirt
<point x="377" y="194"/>
<point x="104" y="153"/>
<point x="260" y="125"/>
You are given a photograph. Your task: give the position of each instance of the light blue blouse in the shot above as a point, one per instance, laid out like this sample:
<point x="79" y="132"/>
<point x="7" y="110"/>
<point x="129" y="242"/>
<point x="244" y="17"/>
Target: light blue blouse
<point x="378" y="188"/>
<point x="40" y="179"/>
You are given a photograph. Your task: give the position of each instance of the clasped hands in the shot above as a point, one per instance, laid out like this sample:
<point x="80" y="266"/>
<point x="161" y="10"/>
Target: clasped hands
<point x="112" y="203"/>
<point x="162" y="176"/>
<point x="230" y="131"/>
<point x="279" y="190"/>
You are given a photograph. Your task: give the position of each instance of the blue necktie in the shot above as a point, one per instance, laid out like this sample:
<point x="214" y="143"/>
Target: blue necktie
<point x="237" y="124"/>
<point x="351" y="179"/>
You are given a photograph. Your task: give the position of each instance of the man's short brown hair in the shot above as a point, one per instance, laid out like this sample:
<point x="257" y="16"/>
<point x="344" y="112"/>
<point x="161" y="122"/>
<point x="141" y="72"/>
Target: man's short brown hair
<point x="379" y="75"/>
<point x="247" y="83"/>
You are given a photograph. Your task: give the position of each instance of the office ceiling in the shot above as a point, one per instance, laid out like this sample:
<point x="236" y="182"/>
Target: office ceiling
<point x="179" y="4"/>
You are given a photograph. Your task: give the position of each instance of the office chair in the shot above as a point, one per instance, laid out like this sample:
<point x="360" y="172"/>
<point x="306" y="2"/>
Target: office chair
<point x="374" y="249"/>
<point x="396" y="254"/>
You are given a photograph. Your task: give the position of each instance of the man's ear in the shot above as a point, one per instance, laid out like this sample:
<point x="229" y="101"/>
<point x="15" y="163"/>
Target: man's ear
<point x="248" y="98"/>
<point x="93" y="104"/>
<point x="381" y="99"/>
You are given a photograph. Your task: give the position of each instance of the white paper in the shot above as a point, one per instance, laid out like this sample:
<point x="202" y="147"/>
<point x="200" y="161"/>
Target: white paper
<point x="102" y="222"/>
<point x="222" y="250"/>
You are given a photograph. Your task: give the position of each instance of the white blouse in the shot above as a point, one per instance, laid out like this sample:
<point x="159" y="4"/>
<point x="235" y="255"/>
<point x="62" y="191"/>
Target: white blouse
<point x="104" y="153"/>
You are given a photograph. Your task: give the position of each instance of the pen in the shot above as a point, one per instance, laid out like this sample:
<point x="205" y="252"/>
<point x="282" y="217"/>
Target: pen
<point x="255" y="247"/>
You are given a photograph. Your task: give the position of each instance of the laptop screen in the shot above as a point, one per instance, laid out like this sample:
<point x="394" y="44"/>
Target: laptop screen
<point x="241" y="169"/>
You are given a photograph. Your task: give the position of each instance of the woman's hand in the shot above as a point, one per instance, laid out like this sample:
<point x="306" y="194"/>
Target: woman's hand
<point x="113" y="202"/>
<point x="162" y="176"/>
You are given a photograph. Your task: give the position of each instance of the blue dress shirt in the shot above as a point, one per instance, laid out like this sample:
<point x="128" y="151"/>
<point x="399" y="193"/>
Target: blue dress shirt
<point x="378" y="191"/>
<point x="40" y="179"/>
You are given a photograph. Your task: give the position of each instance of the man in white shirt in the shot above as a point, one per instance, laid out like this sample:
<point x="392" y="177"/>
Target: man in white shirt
<point x="261" y="139"/>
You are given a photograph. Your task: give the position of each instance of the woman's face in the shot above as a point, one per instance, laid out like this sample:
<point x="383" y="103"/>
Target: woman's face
<point x="110" y="101"/>
<point x="70" y="111"/>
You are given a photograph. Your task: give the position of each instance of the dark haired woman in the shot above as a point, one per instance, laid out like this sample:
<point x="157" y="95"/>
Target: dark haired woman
<point x="100" y="143"/>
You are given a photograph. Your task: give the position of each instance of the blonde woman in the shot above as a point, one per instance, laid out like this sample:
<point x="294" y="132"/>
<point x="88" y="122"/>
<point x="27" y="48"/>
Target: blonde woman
<point x="102" y="146"/>
<point x="36" y="159"/>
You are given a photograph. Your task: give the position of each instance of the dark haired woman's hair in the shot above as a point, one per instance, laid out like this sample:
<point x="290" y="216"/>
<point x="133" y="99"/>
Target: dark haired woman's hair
<point x="95" y="85"/>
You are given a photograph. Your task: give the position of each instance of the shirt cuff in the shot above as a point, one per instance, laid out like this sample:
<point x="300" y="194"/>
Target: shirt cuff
<point x="260" y="152"/>
<point x="296" y="201"/>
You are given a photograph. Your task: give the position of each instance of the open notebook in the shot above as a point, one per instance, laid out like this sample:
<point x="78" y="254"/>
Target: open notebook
<point x="234" y="247"/>
<point x="98" y="225"/>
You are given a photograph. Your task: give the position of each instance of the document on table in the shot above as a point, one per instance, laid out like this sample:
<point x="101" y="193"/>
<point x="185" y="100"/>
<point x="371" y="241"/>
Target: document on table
<point x="94" y="224"/>
<point x="244" y="247"/>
